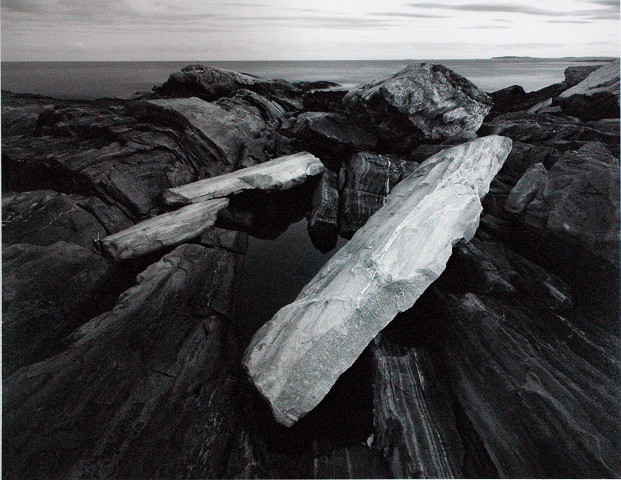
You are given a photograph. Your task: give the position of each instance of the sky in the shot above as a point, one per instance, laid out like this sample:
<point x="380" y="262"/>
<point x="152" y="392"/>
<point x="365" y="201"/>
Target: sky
<point x="38" y="30"/>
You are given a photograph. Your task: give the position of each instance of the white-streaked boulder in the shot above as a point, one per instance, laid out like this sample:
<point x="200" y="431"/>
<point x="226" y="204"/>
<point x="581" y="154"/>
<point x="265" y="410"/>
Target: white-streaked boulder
<point x="296" y="357"/>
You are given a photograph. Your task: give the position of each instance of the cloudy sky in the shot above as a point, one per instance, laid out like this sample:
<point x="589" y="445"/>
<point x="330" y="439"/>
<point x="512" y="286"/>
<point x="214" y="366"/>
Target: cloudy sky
<point x="306" y="29"/>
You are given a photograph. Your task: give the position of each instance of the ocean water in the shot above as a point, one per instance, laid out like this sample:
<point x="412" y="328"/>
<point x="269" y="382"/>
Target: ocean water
<point x="88" y="80"/>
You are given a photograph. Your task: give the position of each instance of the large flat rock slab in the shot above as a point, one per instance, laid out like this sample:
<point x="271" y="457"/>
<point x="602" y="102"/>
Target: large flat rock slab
<point x="279" y="174"/>
<point x="297" y="356"/>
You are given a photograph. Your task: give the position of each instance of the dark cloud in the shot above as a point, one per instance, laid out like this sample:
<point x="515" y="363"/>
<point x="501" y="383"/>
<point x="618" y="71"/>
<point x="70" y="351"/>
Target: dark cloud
<point x="487" y="27"/>
<point x="568" y="21"/>
<point x="408" y="15"/>
<point x="608" y="13"/>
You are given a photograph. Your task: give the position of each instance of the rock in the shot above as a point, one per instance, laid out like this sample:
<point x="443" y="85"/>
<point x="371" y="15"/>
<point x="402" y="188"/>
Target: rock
<point x="38" y="310"/>
<point x="552" y="131"/>
<point x="355" y="461"/>
<point x="515" y="99"/>
<point x="215" y="237"/>
<point x="331" y="136"/>
<point x="580" y="202"/>
<point x="168" y="229"/>
<point x="297" y="357"/>
<point x="146" y="390"/>
<point x="596" y="97"/>
<point x="526" y="189"/>
<point x="575" y="75"/>
<point x="128" y="154"/>
<point x="421" y="102"/>
<point x="322" y="223"/>
<point x="280" y="173"/>
<point x="413" y="416"/>
<point x="324" y="100"/>
<point x="44" y="217"/>
<point x="540" y="389"/>
<point x="522" y="157"/>
<point x="365" y="179"/>
<point x="211" y="83"/>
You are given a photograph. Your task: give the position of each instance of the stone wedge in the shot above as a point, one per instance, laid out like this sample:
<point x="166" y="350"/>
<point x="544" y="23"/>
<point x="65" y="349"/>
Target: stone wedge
<point x="297" y="356"/>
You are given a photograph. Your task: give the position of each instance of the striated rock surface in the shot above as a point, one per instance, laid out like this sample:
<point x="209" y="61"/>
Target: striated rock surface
<point x="295" y="358"/>
<point x="421" y="102"/>
<point x="413" y="417"/>
<point x="596" y="97"/>
<point x="44" y="217"/>
<point x="39" y="310"/>
<point x="322" y="223"/>
<point x="365" y="181"/>
<point x="355" y="461"/>
<point x="541" y="389"/>
<point x="146" y="390"/>
<point x="127" y="154"/>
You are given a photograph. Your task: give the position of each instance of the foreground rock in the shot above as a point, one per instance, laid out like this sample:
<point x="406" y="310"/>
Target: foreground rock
<point x="38" y="310"/>
<point x="421" y="102"/>
<point x="322" y="223"/>
<point x="413" y="416"/>
<point x="296" y="357"/>
<point x="596" y="97"/>
<point x="146" y="390"/>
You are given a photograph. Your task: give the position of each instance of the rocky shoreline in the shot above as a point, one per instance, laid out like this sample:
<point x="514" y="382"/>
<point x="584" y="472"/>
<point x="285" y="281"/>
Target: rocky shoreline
<point x="508" y="365"/>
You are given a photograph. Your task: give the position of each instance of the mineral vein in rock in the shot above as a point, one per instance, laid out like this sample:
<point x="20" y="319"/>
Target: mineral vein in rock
<point x="297" y="356"/>
<point x="279" y="174"/>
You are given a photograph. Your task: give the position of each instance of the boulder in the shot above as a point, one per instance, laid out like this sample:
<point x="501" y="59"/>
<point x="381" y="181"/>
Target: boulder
<point x="596" y="97"/>
<point x="331" y="136"/>
<point x="580" y="202"/>
<point x="421" y="102"/>
<point x="575" y="75"/>
<point x="39" y="310"/>
<point x="352" y="461"/>
<point x="323" y="222"/>
<point x="297" y="357"/>
<point x="146" y="390"/>
<point x="211" y="83"/>
<point x="526" y="189"/>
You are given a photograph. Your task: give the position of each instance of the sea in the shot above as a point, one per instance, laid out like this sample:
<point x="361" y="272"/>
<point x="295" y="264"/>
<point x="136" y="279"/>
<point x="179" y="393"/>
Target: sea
<point x="275" y="270"/>
<point x="89" y="80"/>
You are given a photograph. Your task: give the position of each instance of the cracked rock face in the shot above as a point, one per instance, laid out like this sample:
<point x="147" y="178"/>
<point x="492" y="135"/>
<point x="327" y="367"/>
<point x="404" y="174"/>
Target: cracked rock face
<point x="422" y="101"/>
<point x="296" y="357"/>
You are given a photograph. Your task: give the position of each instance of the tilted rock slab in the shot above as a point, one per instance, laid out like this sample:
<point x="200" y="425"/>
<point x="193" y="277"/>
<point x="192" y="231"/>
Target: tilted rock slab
<point x="279" y="174"/>
<point x="297" y="356"/>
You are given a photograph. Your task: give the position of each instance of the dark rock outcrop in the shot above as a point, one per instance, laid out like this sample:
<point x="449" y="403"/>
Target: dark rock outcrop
<point x="355" y="461"/>
<point x="44" y="217"/>
<point x="332" y="137"/>
<point x="580" y="201"/>
<point x="596" y="97"/>
<point x="127" y="155"/>
<point x="211" y="83"/>
<point x="47" y="291"/>
<point x="146" y="390"/>
<point x="323" y="221"/>
<point x="421" y="102"/>
<point x="526" y="188"/>
<point x="515" y="99"/>
<point x="575" y="75"/>
<point x="413" y="416"/>
<point x="365" y="180"/>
